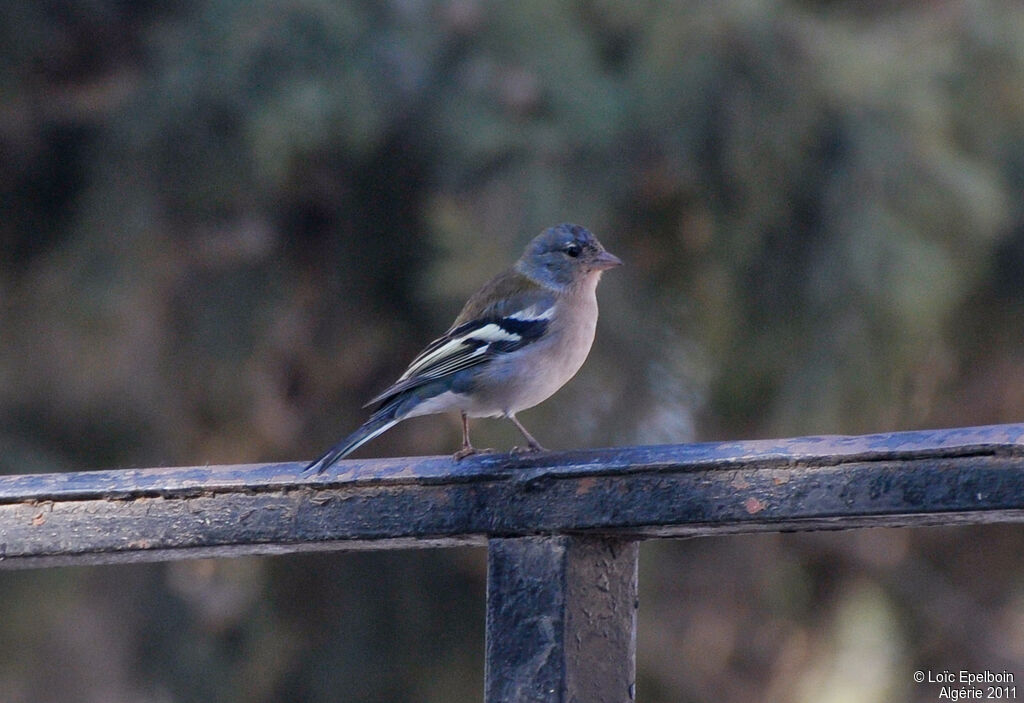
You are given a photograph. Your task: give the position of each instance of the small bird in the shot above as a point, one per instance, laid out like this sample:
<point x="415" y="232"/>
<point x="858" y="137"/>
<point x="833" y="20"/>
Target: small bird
<point x="517" y="340"/>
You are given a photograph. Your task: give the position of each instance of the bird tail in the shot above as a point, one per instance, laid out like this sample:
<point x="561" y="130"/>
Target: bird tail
<point x="379" y="422"/>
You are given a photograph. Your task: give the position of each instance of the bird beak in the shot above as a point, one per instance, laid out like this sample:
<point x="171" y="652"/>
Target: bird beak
<point x="605" y="260"/>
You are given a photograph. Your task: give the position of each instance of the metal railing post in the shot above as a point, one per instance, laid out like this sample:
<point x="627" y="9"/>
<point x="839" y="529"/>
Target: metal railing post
<point x="561" y="620"/>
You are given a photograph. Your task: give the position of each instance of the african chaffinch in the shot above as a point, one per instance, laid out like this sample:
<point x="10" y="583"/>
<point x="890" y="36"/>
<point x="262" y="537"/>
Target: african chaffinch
<point x="517" y="340"/>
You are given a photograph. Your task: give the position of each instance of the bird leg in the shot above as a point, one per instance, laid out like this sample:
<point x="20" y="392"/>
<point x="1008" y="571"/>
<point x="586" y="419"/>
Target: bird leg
<point x="467" y="448"/>
<point x="532" y="444"/>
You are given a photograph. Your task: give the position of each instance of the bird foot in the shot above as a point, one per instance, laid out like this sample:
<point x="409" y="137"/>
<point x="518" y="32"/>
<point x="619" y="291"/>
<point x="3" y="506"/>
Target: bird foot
<point x="470" y="451"/>
<point x="529" y="449"/>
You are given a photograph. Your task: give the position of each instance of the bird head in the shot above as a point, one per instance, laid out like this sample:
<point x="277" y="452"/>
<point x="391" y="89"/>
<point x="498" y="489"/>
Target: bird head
<point x="565" y="255"/>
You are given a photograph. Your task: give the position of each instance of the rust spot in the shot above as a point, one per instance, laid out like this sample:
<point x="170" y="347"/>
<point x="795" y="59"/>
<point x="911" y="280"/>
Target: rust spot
<point x="585" y="485"/>
<point x="780" y="480"/>
<point x="753" y="505"/>
<point x="740" y="483"/>
<point x="38" y="519"/>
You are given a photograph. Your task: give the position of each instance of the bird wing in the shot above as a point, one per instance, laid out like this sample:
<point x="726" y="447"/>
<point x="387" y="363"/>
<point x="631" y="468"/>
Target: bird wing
<point x="482" y="331"/>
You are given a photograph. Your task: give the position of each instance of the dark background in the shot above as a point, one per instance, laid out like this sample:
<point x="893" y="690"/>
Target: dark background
<point x="225" y="225"/>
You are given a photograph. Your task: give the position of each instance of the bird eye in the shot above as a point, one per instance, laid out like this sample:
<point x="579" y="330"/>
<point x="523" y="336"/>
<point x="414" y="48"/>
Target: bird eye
<point x="573" y="250"/>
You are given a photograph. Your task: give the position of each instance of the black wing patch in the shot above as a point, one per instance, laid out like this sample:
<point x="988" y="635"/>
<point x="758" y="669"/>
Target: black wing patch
<point x="468" y="345"/>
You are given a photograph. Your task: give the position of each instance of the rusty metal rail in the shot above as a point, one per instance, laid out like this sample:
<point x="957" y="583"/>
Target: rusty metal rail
<point x="562" y="528"/>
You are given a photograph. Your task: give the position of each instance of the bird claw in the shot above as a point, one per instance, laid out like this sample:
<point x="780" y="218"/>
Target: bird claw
<point x="470" y="451"/>
<point x="530" y="449"/>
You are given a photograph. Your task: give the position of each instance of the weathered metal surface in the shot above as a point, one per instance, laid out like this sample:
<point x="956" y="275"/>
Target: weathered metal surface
<point x="1004" y="439"/>
<point x="913" y="478"/>
<point x="561" y="620"/>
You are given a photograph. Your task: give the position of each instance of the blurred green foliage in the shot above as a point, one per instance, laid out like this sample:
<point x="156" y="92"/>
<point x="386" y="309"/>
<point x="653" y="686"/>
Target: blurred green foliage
<point x="226" y="224"/>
